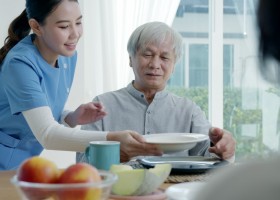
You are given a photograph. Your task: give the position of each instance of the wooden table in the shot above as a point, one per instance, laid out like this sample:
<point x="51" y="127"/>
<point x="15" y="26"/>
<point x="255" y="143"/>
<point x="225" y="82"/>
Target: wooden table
<point x="8" y="191"/>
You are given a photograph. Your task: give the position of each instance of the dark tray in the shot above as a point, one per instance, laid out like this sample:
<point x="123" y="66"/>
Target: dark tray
<point x="184" y="165"/>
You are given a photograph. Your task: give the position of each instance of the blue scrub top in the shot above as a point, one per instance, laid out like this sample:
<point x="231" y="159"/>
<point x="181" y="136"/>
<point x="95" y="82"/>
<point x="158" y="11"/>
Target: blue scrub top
<point x="27" y="81"/>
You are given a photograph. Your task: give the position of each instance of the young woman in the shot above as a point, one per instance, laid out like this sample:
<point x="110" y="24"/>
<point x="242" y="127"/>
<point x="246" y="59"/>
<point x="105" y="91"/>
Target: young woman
<point x="36" y="73"/>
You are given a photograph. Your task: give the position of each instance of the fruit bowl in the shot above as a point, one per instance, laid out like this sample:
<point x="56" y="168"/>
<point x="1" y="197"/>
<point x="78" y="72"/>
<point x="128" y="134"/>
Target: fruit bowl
<point x="67" y="191"/>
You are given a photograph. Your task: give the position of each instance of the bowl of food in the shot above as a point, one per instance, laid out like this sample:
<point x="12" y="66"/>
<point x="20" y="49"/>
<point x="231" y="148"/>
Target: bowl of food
<point x="79" y="181"/>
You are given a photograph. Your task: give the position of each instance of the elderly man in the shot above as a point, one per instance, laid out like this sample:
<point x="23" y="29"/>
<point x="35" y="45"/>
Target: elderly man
<point x="146" y="107"/>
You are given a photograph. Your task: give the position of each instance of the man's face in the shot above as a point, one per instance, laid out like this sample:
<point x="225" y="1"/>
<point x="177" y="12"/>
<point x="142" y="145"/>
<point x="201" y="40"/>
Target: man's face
<point x="153" y="65"/>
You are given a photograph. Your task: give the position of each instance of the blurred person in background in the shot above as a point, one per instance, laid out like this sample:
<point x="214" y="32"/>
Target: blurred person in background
<point x="257" y="179"/>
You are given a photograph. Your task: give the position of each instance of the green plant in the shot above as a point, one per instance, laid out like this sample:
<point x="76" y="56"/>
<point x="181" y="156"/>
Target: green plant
<point x="274" y="90"/>
<point x="234" y="118"/>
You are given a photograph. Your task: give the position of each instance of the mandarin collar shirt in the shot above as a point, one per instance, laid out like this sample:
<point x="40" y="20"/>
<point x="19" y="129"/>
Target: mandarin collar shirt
<point x="128" y="109"/>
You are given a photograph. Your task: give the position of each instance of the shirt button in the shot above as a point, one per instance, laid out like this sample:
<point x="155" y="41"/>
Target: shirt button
<point x="148" y="132"/>
<point x="142" y="95"/>
<point x="65" y="66"/>
<point x="149" y="112"/>
<point x="68" y="90"/>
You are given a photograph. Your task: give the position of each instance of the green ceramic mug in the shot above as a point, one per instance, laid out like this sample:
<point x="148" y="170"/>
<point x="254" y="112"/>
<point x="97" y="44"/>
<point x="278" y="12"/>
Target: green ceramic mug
<point x="103" y="154"/>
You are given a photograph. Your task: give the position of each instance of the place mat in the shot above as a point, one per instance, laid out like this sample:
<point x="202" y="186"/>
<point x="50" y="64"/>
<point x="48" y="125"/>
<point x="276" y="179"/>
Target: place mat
<point x="187" y="178"/>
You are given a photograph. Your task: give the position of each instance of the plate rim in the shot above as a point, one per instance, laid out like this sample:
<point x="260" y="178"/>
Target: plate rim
<point x="203" y="138"/>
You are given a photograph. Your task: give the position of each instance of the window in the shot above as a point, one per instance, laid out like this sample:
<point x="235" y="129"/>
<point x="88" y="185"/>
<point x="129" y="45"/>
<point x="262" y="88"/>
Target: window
<point x="248" y="105"/>
<point x="198" y="56"/>
<point x="198" y="67"/>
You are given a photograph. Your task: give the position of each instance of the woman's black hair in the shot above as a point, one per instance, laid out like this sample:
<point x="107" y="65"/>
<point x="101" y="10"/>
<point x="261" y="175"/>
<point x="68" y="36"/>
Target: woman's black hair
<point x="19" y="28"/>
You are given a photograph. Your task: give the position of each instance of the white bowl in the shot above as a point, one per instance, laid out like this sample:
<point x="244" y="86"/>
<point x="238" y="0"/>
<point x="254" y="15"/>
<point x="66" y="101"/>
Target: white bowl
<point x="184" y="191"/>
<point x="175" y="142"/>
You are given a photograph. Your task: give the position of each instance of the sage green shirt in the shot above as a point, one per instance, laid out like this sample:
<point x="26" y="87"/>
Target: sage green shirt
<point x="128" y="109"/>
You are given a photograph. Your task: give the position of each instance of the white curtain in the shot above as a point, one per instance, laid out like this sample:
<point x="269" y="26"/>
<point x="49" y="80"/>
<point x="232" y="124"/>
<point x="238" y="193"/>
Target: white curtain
<point x="107" y="27"/>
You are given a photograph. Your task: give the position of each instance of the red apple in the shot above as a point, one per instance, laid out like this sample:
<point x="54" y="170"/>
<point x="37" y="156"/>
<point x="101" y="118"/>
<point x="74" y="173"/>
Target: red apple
<point x="37" y="170"/>
<point x="80" y="173"/>
<point x="60" y="173"/>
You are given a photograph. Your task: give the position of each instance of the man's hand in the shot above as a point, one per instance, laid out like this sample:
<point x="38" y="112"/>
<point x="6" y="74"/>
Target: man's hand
<point x="224" y="143"/>
<point x="133" y="144"/>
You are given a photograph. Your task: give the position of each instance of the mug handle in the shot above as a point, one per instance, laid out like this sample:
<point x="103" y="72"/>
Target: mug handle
<point x="87" y="154"/>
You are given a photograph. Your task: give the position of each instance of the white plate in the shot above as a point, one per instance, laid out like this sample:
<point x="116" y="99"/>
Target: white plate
<point x="184" y="191"/>
<point x="175" y="142"/>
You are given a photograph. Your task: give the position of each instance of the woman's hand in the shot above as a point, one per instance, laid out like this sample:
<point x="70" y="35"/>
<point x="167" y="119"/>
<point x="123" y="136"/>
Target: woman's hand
<point x="85" y="113"/>
<point x="132" y="144"/>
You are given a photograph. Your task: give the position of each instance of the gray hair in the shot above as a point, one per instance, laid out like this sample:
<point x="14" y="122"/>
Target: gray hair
<point x="154" y="32"/>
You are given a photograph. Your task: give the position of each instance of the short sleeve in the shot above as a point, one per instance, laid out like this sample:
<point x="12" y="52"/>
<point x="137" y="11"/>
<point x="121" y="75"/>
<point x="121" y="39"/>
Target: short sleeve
<point x="22" y="86"/>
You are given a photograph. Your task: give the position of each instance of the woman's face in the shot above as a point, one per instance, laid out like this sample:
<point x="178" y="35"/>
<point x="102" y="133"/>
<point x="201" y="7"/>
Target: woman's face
<point x="61" y="31"/>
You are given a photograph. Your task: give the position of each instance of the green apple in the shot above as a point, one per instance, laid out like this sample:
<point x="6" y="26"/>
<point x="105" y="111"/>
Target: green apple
<point x="162" y="171"/>
<point x="134" y="182"/>
<point x="119" y="168"/>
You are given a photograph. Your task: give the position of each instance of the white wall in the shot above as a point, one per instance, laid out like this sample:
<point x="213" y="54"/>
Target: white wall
<point x="8" y="11"/>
